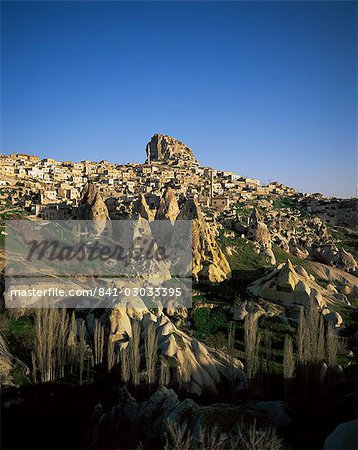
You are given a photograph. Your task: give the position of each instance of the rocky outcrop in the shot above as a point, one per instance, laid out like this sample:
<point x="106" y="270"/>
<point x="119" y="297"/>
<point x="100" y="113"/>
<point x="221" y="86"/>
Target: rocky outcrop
<point x="168" y="150"/>
<point x="209" y="262"/>
<point x="157" y="270"/>
<point x="289" y="285"/>
<point x="333" y="256"/>
<point x="153" y="421"/>
<point x="343" y="283"/>
<point x="8" y="363"/>
<point x="168" y="207"/>
<point x="141" y="208"/>
<point x="186" y="360"/>
<point x="92" y="207"/>
<point x="259" y="233"/>
<point x="344" y="437"/>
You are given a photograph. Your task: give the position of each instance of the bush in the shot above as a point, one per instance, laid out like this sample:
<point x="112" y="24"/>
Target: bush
<point x="208" y="321"/>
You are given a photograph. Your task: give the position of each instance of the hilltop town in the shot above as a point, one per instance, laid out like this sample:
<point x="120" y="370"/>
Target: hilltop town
<point x="50" y="189"/>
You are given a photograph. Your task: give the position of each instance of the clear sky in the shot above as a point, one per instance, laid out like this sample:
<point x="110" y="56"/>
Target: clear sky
<point x="268" y="90"/>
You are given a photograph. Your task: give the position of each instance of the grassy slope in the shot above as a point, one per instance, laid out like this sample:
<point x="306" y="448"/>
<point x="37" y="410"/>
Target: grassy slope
<point x="346" y="239"/>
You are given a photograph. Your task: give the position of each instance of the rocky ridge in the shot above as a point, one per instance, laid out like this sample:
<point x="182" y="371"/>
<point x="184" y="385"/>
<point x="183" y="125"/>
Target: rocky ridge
<point x="169" y="150"/>
<point x="291" y="285"/>
<point x="209" y="262"/>
<point x="192" y="362"/>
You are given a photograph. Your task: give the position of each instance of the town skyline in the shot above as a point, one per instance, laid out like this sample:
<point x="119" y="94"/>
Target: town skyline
<point x="263" y="182"/>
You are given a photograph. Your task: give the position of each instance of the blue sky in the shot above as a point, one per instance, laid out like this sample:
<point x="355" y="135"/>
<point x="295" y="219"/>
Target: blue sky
<point x="266" y="89"/>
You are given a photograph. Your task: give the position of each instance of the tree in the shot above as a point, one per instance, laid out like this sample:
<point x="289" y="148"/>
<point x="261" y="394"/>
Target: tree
<point x="151" y="346"/>
<point x="252" y="342"/>
<point x="134" y="354"/>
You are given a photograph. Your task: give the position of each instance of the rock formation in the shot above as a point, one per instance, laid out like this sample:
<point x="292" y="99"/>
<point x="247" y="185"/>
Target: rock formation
<point x="256" y="308"/>
<point x="260" y="234"/>
<point x="141" y="242"/>
<point x="209" y="262"/>
<point x="141" y="208"/>
<point x="344" y="437"/>
<point x="196" y="365"/>
<point x="169" y="150"/>
<point x="168" y="207"/>
<point x="289" y="285"/>
<point x="8" y="363"/>
<point x="92" y="207"/>
<point x="343" y="283"/>
<point x="151" y="421"/>
<point x="331" y="255"/>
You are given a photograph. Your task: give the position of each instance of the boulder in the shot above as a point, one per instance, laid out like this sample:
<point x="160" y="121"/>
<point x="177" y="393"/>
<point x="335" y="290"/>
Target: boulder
<point x="344" y="437"/>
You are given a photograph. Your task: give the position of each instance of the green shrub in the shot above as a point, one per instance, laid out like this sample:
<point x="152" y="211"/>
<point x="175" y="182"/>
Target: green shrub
<point x="208" y="321"/>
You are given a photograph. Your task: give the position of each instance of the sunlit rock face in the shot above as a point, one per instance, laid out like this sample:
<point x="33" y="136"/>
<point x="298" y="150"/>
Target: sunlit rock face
<point x="92" y="207"/>
<point x="168" y="206"/>
<point x="8" y="364"/>
<point x="333" y="256"/>
<point x="290" y="285"/>
<point x="186" y="359"/>
<point x="209" y="262"/>
<point x="260" y="234"/>
<point x="168" y="149"/>
<point x="141" y="209"/>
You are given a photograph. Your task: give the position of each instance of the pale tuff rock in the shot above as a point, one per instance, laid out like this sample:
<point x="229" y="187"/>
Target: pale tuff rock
<point x="153" y="268"/>
<point x="259" y="307"/>
<point x="169" y="150"/>
<point x="259" y="233"/>
<point x="298" y="251"/>
<point x="168" y="210"/>
<point x="198" y="366"/>
<point x="332" y="317"/>
<point x="345" y="283"/>
<point x="141" y="208"/>
<point x="209" y="262"/>
<point x="92" y="207"/>
<point x="168" y="207"/>
<point x="289" y="285"/>
<point x="331" y="255"/>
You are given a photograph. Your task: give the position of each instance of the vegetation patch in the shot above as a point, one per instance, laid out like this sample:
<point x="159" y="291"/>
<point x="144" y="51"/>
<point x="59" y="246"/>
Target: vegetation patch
<point x="208" y="321"/>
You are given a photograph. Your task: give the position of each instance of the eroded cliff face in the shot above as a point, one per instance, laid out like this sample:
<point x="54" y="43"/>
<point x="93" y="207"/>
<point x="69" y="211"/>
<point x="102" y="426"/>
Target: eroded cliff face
<point x="333" y="256"/>
<point x="168" y="207"/>
<point x="91" y="205"/>
<point x="209" y="262"/>
<point x="141" y="209"/>
<point x="8" y="363"/>
<point x="169" y="150"/>
<point x="183" y="359"/>
<point x="260" y="234"/>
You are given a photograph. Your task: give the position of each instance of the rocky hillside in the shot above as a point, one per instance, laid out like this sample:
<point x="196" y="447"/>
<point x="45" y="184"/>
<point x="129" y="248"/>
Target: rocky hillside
<point x="169" y="150"/>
